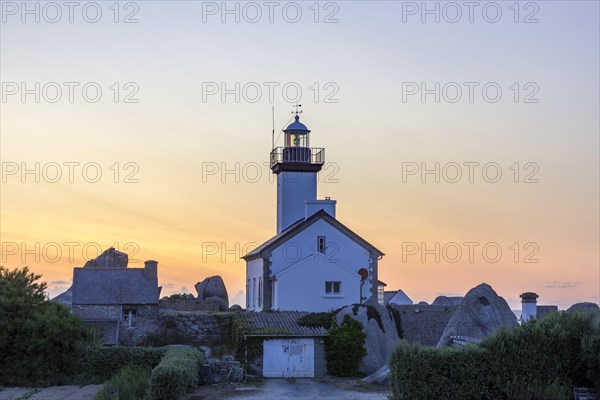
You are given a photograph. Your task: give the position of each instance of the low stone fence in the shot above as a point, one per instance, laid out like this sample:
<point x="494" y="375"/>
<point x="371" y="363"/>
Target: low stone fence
<point x="188" y="305"/>
<point x="197" y="327"/>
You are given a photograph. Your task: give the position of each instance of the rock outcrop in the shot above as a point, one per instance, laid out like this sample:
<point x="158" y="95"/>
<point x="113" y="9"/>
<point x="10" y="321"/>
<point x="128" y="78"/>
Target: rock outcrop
<point x="65" y="298"/>
<point x="213" y="289"/>
<point x="110" y="258"/>
<point x="480" y="313"/>
<point x="586" y="306"/>
<point x="379" y="325"/>
<point x="447" y="301"/>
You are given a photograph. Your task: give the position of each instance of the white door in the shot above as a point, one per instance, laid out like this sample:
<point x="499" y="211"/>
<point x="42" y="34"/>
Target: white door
<point x="289" y="358"/>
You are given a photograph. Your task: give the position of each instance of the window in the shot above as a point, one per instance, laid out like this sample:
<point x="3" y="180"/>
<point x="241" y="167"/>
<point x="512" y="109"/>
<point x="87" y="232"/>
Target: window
<point x="129" y="317"/>
<point x="248" y="294"/>
<point x="334" y="287"/>
<point x="321" y="244"/>
<point x="380" y="297"/>
<point x="253" y="292"/>
<point x="260" y="292"/>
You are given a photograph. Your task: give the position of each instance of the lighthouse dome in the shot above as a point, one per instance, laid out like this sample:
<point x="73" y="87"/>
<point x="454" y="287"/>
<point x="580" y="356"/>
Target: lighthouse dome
<point x="296" y="126"/>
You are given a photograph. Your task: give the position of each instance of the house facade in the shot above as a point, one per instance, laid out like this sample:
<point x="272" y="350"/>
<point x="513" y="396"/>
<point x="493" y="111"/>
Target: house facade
<point x="121" y="302"/>
<point x="314" y="262"/>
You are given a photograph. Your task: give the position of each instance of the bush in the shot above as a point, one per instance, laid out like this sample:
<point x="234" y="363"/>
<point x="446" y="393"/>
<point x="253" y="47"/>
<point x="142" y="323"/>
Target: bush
<point x="540" y="358"/>
<point x="97" y="364"/>
<point x="130" y="383"/>
<point x="176" y="373"/>
<point x="37" y="337"/>
<point x="345" y="347"/>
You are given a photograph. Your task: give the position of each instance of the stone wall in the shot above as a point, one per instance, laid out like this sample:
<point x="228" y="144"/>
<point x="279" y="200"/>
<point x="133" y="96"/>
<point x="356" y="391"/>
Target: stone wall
<point x="424" y="323"/>
<point x="188" y="305"/>
<point x="146" y="321"/>
<point x="97" y="312"/>
<point x="196" y="326"/>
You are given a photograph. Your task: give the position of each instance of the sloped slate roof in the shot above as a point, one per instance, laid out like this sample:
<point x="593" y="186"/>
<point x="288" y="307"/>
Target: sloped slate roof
<point x="279" y="323"/>
<point x="302" y="224"/>
<point x="110" y="286"/>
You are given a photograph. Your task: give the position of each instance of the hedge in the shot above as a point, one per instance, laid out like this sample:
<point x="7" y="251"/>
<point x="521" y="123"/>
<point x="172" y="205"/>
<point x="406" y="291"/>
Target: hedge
<point x="540" y="358"/>
<point x="176" y="373"/>
<point x="96" y="364"/>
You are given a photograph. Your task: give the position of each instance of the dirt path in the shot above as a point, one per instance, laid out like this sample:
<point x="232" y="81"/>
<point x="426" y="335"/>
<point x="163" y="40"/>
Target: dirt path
<point x="51" y="393"/>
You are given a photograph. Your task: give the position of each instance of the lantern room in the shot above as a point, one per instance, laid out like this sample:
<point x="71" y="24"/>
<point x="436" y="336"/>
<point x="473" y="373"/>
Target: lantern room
<point x="296" y="134"/>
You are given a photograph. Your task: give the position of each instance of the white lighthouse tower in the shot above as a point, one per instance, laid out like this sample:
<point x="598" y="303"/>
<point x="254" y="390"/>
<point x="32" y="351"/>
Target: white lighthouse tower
<point x="314" y="262"/>
<point x="296" y="166"/>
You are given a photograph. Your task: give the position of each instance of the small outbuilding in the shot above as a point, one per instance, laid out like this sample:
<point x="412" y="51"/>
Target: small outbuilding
<point x="289" y="350"/>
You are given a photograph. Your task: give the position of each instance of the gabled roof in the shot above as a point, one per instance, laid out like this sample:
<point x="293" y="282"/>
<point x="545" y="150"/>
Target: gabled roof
<point x="302" y="224"/>
<point x="399" y="297"/>
<point x="279" y="323"/>
<point x="113" y="286"/>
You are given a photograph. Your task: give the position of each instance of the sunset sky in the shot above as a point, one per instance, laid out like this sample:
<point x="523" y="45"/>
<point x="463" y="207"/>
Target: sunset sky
<point x="183" y="175"/>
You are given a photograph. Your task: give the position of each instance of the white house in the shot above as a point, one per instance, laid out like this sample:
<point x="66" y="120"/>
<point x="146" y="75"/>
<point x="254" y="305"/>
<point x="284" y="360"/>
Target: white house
<point x="314" y="262"/>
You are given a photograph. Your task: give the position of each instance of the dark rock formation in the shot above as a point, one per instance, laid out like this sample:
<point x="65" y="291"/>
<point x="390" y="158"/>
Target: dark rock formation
<point x="447" y="301"/>
<point x="235" y="307"/>
<point x="586" y="306"/>
<point x="213" y="289"/>
<point x="380" y="327"/>
<point x="111" y="258"/>
<point x="65" y="298"/>
<point x="480" y="313"/>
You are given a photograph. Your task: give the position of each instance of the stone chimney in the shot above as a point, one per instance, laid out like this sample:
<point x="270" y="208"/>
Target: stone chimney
<point x="529" y="306"/>
<point x="151" y="268"/>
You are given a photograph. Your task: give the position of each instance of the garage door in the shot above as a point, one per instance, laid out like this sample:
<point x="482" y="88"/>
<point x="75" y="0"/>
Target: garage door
<point x="289" y="358"/>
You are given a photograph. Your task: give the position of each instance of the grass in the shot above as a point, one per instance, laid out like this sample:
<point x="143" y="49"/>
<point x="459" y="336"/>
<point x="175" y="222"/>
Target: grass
<point x="130" y="383"/>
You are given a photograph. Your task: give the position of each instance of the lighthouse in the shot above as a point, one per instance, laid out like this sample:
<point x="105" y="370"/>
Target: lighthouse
<point x="296" y="166"/>
<point x="314" y="262"/>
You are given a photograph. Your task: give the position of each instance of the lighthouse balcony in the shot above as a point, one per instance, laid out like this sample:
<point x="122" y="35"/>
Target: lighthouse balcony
<point x="297" y="158"/>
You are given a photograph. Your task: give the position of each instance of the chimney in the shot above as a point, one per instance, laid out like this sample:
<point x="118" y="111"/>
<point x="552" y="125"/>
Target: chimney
<point x="529" y="306"/>
<point x="151" y="269"/>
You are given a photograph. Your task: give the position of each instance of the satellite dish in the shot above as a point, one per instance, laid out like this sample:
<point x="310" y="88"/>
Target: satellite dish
<point x="364" y="274"/>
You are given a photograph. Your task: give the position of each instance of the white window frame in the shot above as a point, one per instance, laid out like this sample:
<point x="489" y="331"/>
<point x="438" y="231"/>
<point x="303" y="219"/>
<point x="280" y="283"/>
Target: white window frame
<point x="330" y="288"/>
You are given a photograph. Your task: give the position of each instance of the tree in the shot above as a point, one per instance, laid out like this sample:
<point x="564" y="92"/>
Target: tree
<point x="38" y="338"/>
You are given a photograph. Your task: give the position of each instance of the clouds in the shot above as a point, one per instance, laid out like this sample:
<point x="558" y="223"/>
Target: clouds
<point x="561" y="285"/>
<point x="60" y="282"/>
<point x="167" y="285"/>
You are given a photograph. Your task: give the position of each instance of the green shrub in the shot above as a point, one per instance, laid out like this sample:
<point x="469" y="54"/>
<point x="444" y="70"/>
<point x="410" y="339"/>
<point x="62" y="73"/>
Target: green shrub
<point x="345" y="347"/>
<point x="130" y="383"/>
<point x="97" y="364"/>
<point x="176" y="373"/>
<point x="37" y="337"/>
<point x="538" y="359"/>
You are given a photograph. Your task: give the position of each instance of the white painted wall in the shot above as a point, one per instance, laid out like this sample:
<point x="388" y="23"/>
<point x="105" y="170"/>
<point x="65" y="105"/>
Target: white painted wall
<point x="293" y="189"/>
<point x="289" y="358"/>
<point x="301" y="275"/>
<point x="315" y="206"/>
<point x="529" y="311"/>
<point x="254" y="273"/>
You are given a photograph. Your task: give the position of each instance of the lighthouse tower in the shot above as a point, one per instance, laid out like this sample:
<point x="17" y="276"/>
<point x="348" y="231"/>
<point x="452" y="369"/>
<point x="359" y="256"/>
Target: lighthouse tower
<point x="296" y="166"/>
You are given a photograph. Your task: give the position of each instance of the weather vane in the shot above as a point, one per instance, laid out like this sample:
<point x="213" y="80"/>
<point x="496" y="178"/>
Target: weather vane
<point x="297" y="107"/>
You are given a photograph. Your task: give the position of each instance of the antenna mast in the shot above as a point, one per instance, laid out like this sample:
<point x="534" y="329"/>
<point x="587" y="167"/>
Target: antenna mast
<point x="273" y="133"/>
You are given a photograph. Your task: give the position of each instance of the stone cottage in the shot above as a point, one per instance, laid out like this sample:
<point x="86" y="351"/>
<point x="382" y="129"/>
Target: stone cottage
<point x="122" y="302"/>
